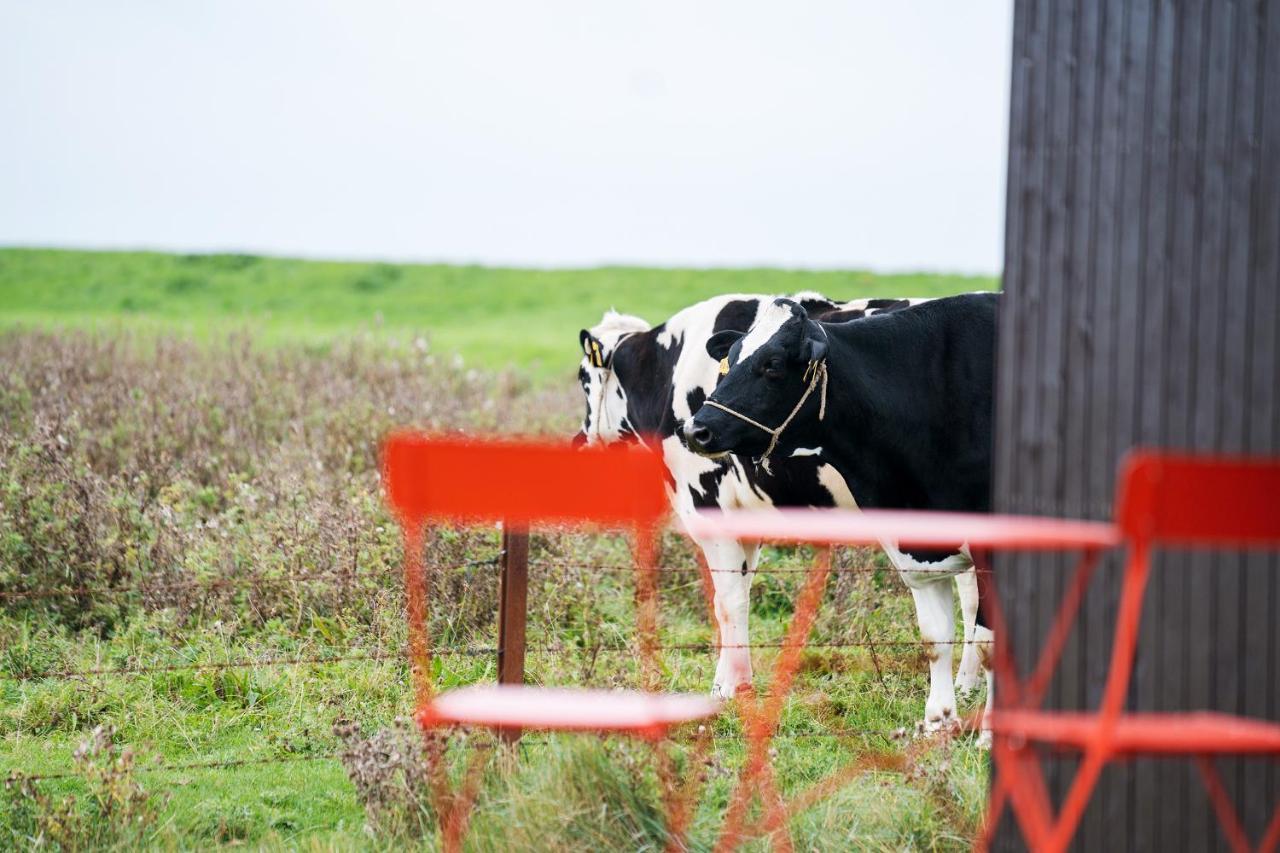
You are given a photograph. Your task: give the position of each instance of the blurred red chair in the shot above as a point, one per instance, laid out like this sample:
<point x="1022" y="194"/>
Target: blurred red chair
<point x="459" y="480"/>
<point x="1166" y="501"/>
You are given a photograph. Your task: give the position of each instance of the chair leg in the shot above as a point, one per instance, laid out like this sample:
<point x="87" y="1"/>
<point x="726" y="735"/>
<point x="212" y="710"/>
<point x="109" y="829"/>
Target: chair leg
<point x="1060" y="630"/>
<point x="760" y="718"/>
<point x="1027" y="795"/>
<point x="1227" y="817"/>
<point x="995" y="809"/>
<point x="1271" y="838"/>
<point x="1077" y="798"/>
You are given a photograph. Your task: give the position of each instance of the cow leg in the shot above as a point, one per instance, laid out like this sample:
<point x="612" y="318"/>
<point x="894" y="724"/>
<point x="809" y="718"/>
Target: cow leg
<point x="934" y="612"/>
<point x="970" y="664"/>
<point x="983" y="642"/>
<point x="732" y="568"/>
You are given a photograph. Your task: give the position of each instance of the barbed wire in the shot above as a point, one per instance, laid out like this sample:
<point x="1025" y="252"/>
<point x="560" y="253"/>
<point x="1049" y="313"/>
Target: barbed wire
<point x="17" y="775"/>
<point x="893" y="734"/>
<point x="309" y="660"/>
<point x="835" y="570"/>
<point x="453" y="651"/>
<point x="349" y="575"/>
<point x="250" y="583"/>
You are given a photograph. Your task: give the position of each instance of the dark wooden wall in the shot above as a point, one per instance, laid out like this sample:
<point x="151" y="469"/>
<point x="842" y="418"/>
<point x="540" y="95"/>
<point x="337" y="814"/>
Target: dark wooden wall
<point x="1142" y="279"/>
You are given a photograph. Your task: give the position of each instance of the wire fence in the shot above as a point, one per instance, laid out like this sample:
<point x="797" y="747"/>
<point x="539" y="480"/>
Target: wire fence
<point x="891" y="734"/>
<point x="256" y="583"/>
<point x="264" y="581"/>
<point x="458" y="651"/>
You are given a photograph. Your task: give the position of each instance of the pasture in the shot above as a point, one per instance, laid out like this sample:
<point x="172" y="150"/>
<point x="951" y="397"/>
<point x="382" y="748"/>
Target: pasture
<point x="188" y="460"/>
<point x="496" y="319"/>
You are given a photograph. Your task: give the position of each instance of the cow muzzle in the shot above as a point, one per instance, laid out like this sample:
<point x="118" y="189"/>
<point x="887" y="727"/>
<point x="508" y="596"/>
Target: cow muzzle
<point x="699" y="438"/>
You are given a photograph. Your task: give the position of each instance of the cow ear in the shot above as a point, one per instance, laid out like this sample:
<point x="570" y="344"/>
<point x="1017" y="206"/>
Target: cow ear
<point x="817" y="348"/>
<point x="592" y="347"/>
<point x="719" y="344"/>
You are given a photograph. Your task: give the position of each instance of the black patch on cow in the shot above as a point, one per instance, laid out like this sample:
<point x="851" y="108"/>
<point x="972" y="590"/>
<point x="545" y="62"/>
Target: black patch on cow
<point x="744" y="568"/>
<point x="695" y="399"/>
<point x="736" y="316"/>
<point x="585" y="381"/>
<point x="887" y="304"/>
<point x="818" y="307"/>
<point x="644" y="368"/>
<point x="843" y="316"/>
<point x="709" y="483"/>
<point x="908" y="421"/>
<point x="794" y="480"/>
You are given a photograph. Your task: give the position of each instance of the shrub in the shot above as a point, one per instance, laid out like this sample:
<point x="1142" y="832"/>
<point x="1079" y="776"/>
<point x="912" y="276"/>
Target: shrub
<point x="113" y="812"/>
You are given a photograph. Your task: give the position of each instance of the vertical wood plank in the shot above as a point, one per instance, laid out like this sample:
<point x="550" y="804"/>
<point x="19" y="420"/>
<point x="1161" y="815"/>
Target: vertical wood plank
<point x="1142" y="306"/>
<point x="1264" y="384"/>
<point x="1228" y="643"/>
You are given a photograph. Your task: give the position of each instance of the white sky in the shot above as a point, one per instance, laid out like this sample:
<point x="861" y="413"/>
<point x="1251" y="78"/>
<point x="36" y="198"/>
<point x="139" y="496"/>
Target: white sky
<point x="814" y="134"/>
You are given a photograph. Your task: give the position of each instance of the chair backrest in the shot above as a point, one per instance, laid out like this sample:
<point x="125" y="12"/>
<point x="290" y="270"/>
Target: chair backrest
<point x="1200" y="500"/>
<point x="476" y="480"/>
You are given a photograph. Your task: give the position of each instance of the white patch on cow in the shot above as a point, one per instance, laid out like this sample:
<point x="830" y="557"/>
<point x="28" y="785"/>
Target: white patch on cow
<point x="769" y="319"/>
<point x="984" y="642"/>
<point x="606" y="400"/>
<point x="970" y="661"/>
<point x="807" y="451"/>
<point x="937" y="627"/>
<point x="930" y="585"/>
<point x="607" y="406"/>
<point x="917" y="573"/>
<point x="831" y="480"/>
<point x="686" y="469"/>
<point x="726" y="558"/>
<point x="695" y="369"/>
<point x="732" y="602"/>
<point x="613" y="324"/>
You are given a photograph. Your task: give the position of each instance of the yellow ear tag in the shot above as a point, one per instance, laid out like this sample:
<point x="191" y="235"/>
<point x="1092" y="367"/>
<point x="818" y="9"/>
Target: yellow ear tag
<point x="724" y="366"/>
<point x="597" y="359"/>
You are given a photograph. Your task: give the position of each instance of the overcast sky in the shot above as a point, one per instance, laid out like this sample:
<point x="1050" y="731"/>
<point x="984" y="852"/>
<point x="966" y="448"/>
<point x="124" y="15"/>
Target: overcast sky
<point x="816" y="134"/>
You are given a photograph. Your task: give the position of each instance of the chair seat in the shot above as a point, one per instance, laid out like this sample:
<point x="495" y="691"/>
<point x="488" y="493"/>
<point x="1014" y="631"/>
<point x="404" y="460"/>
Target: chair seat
<point x="1201" y="732"/>
<point x="563" y="709"/>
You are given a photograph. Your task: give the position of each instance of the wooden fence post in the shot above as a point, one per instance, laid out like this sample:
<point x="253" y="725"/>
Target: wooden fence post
<point x="513" y="601"/>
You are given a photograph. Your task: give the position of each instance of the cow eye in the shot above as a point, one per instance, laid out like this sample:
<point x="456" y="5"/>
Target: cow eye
<point x="773" y="368"/>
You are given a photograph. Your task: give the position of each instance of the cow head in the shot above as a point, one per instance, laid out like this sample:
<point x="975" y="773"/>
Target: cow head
<point x="606" y="399"/>
<point x="768" y="372"/>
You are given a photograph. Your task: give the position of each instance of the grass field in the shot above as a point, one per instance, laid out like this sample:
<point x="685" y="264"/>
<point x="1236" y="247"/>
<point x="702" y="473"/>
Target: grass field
<point x="495" y="318"/>
<point x="214" y="504"/>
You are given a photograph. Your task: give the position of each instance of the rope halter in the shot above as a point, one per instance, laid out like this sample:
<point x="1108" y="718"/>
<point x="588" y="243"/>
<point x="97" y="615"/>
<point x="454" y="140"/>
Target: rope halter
<point x="815" y="373"/>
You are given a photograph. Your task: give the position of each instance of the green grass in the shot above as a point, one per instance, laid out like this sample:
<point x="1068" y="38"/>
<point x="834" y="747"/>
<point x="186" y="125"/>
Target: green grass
<point x="132" y="458"/>
<point x="495" y="318"/>
<point x="537" y="801"/>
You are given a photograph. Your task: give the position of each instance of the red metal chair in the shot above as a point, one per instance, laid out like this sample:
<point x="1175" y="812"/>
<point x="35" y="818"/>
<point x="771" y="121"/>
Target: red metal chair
<point x="1166" y="501"/>
<point x="434" y="480"/>
<point x="870" y="527"/>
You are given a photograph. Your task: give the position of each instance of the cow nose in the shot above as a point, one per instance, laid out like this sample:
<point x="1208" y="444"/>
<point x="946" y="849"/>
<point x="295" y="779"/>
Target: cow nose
<point x="700" y="434"/>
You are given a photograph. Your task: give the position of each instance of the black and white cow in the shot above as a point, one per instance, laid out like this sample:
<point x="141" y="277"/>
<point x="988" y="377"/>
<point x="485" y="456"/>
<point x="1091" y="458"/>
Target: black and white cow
<point x="641" y="383"/>
<point x="900" y="405"/>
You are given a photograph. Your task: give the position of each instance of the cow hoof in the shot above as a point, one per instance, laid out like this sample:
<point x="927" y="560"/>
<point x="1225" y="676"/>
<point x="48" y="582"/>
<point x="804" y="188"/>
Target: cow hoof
<point x="947" y="721"/>
<point x="724" y="691"/>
